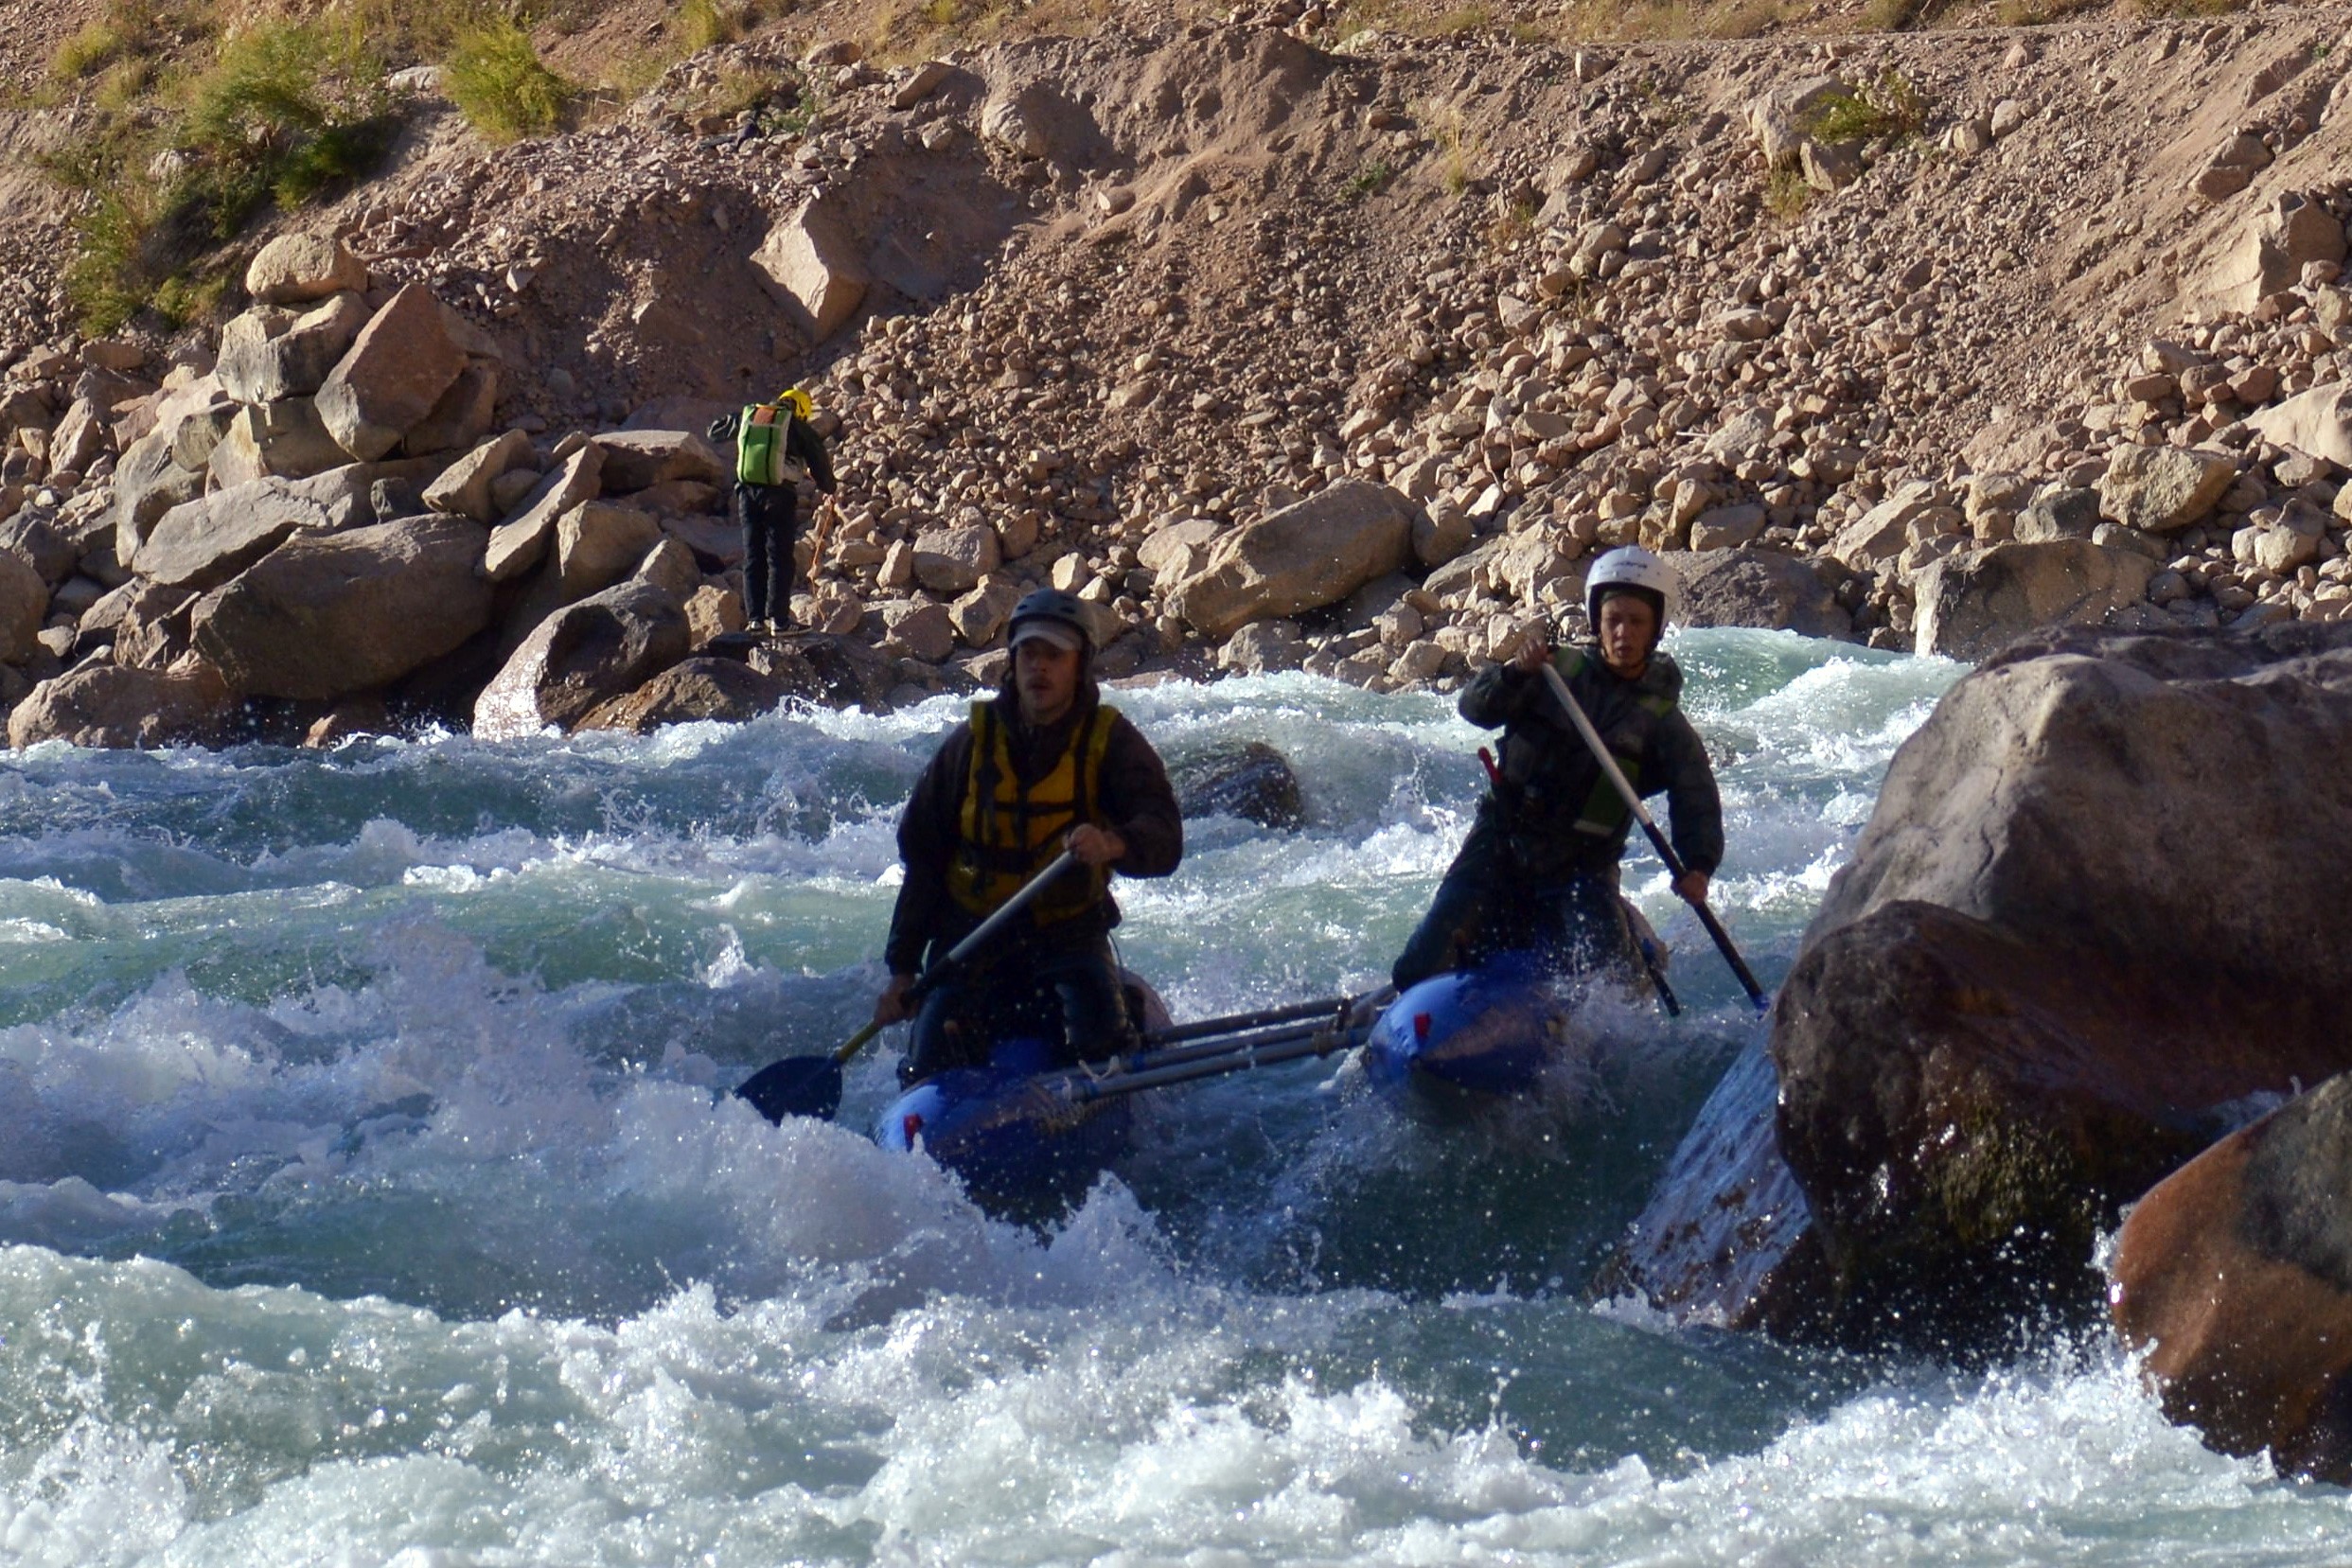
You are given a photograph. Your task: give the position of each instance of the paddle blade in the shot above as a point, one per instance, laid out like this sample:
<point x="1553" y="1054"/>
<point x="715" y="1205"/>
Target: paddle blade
<point x="798" y="1085"/>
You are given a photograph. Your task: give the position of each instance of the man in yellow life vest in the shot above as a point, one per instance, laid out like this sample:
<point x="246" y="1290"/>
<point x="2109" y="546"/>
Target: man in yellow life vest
<point x="1042" y="765"/>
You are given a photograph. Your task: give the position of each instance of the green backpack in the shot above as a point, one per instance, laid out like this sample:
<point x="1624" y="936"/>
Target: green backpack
<point x="762" y="447"/>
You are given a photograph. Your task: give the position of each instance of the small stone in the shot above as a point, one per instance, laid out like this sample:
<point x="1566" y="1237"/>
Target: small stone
<point x="920" y="82"/>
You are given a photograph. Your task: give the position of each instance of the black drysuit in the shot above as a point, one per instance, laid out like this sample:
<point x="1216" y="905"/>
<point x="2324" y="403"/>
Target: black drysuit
<point x="1539" y="869"/>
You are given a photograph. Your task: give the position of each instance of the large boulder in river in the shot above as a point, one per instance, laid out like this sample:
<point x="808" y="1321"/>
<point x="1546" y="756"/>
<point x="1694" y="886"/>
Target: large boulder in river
<point x="118" y="706"/>
<point x="324" y="615"/>
<point x="1759" y="588"/>
<point x="1974" y="602"/>
<point x="607" y="644"/>
<point x="1304" y="556"/>
<point x="2098" y="903"/>
<point x="1726" y="1238"/>
<point x="2235" y="1276"/>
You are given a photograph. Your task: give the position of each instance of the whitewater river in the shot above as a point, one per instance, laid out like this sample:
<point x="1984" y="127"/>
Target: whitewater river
<point x="365" y="1198"/>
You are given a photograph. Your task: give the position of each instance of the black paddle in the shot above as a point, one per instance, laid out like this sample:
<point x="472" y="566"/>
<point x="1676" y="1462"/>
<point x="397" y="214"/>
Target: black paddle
<point x="1674" y="868"/>
<point x="1648" y="959"/>
<point x="811" y="1085"/>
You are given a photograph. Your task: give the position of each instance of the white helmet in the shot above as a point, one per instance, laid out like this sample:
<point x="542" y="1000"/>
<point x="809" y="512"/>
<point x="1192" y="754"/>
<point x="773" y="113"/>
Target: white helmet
<point x="1631" y="566"/>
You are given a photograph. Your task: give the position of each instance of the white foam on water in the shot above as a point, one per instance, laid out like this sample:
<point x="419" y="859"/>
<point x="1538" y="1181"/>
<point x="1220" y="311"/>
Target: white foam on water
<point x="1122" y="1418"/>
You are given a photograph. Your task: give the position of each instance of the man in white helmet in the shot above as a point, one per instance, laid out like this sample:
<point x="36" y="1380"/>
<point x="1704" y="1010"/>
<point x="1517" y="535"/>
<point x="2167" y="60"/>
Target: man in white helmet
<point x="1539" y="869"/>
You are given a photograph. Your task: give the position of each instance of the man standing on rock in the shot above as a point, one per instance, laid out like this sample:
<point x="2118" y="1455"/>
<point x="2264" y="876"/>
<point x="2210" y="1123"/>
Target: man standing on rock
<point x="1043" y="765"/>
<point x="1539" y="869"/>
<point x="776" y="446"/>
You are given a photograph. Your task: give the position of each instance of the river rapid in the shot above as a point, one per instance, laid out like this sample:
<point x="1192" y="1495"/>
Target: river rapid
<point x="367" y="1195"/>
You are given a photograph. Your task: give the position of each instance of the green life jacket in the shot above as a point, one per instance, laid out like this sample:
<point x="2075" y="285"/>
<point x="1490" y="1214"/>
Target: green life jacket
<point x="1604" y="812"/>
<point x="1557" y="807"/>
<point x="763" y="446"/>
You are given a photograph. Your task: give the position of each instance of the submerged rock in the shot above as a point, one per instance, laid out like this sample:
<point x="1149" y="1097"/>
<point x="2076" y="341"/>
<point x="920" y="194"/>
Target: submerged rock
<point x="1726" y="1238"/>
<point x="2234" y="1274"/>
<point x="1254" y="783"/>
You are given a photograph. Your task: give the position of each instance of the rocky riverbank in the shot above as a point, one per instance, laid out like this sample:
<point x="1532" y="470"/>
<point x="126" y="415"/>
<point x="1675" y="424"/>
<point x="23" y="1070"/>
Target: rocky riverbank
<point x="1282" y="348"/>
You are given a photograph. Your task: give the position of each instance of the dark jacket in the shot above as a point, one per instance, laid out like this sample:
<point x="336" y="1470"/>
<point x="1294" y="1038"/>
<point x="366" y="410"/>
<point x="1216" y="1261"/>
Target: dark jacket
<point x="1137" y="803"/>
<point x="1552" y="783"/>
<point x="800" y="439"/>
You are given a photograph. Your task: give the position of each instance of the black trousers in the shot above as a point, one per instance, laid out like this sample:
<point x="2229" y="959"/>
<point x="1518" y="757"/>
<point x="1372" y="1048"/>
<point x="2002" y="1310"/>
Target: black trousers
<point x="1066" y="994"/>
<point x="1486" y="904"/>
<point x="769" y="515"/>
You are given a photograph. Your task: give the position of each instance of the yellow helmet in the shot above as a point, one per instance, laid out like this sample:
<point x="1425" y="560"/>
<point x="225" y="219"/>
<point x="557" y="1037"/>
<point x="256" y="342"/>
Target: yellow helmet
<point x="802" y="404"/>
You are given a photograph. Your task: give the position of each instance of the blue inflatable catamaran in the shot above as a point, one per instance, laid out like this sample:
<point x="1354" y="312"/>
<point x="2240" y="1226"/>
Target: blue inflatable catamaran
<point x="1025" y="1137"/>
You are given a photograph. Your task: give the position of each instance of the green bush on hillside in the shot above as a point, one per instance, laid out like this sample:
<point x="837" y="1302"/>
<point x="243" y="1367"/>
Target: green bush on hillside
<point x="498" y="83"/>
<point x="283" y="113"/>
<point x="1889" y="107"/>
<point x="88" y="52"/>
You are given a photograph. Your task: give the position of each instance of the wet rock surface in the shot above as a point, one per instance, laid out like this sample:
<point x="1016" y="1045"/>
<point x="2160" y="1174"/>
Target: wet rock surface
<point x="1253" y="782"/>
<point x="697" y="689"/>
<point x="2044" y="982"/>
<point x="2235" y="1276"/>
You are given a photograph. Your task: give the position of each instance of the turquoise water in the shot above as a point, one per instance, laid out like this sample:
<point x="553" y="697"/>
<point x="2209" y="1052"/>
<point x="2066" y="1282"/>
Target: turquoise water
<point x="367" y="1196"/>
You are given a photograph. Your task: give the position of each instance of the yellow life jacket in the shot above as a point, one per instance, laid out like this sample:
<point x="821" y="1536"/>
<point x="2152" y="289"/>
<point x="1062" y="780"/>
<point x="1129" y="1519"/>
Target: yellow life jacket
<point x="1009" y="831"/>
